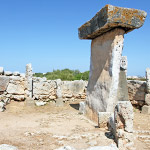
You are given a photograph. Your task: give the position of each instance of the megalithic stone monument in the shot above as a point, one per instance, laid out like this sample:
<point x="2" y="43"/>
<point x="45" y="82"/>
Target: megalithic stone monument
<point x="106" y="30"/>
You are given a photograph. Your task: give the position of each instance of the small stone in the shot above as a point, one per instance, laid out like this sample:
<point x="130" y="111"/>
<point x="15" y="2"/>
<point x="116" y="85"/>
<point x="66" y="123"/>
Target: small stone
<point x="147" y="99"/>
<point x="146" y="109"/>
<point x="82" y="108"/>
<point x="40" y="103"/>
<point x="7" y="147"/>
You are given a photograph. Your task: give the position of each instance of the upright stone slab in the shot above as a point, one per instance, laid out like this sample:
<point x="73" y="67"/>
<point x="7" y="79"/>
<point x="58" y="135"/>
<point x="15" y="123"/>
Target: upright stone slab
<point x="29" y="81"/>
<point x="122" y="87"/>
<point x="147" y="96"/>
<point x="107" y="29"/>
<point x="148" y="80"/>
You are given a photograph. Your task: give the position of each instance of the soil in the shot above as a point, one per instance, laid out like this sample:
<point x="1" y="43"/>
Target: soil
<point x="49" y="127"/>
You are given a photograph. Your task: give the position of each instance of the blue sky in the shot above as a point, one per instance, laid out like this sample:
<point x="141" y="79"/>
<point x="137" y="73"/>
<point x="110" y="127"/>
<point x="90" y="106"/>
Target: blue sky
<point x="45" y="33"/>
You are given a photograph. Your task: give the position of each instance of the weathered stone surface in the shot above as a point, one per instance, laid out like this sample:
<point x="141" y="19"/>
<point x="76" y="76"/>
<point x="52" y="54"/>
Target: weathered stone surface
<point x="122" y="89"/>
<point x="43" y="88"/>
<point x="103" y="119"/>
<point x="1" y="70"/>
<point x="123" y="119"/>
<point x="146" y="109"/>
<point x="7" y="147"/>
<point x="124" y="116"/>
<point x="82" y="109"/>
<point x="73" y="88"/>
<point x="147" y="99"/>
<point x="16" y="89"/>
<point x="111" y="17"/>
<point x="4" y="81"/>
<point x="29" y="82"/>
<point x="103" y="82"/>
<point x="136" y="91"/>
<point x="148" y="79"/>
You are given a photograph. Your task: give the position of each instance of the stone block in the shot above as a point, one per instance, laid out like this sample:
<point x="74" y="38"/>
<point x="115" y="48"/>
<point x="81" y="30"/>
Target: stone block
<point x="122" y="87"/>
<point x="16" y="88"/>
<point x="82" y="108"/>
<point x="4" y="81"/>
<point x="103" y="119"/>
<point x="147" y="99"/>
<point x="146" y="109"/>
<point x="124" y="116"/>
<point x="110" y="17"/>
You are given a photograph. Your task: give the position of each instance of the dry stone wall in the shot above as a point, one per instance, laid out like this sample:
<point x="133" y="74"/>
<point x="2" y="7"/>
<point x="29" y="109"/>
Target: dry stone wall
<point x="13" y="87"/>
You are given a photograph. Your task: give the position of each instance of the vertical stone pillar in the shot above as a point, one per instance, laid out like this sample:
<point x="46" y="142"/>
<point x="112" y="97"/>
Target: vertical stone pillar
<point x="146" y="108"/>
<point x="147" y="95"/>
<point x="122" y="87"/>
<point x="107" y="29"/>
<point x="29" y="81"/>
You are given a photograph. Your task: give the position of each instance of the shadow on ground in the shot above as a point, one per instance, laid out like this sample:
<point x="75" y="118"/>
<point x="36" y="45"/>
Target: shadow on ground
<point x="75" y="106"/>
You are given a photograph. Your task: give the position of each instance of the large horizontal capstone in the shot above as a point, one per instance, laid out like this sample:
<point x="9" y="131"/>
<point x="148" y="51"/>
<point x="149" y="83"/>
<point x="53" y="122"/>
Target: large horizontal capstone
<point x="110" y="17"/>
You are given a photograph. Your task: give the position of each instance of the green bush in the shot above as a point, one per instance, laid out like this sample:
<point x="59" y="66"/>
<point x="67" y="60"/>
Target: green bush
<point x="65" y="75"/>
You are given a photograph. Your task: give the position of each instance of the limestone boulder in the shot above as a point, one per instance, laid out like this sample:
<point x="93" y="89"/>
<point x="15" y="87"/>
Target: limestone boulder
<point x="4" y="81"/>
<point x="111" y="17"/>
<point x="42" y="88"/>
<point x="147" y="99"/>
<point x="137" y="91"/>
<point x="73" y="88"/>
<point x="16" y="88"/>
<point x="7" y="147"/>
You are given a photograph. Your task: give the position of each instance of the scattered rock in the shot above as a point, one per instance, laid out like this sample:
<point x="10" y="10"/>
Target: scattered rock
<point x="40" y="103"/>
<point x="7" y="147"/>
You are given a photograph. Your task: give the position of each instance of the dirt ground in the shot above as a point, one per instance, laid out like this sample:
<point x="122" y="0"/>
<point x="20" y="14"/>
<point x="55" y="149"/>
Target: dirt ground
<point x="49" y="127"/>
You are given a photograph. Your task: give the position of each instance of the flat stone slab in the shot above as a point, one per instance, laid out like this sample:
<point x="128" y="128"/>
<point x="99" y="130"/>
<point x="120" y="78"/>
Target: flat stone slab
<point x="110" y="17"/>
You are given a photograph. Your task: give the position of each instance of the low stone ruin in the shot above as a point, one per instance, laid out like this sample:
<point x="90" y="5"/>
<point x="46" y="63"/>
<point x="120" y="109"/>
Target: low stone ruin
<point x="107" y="93"/>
